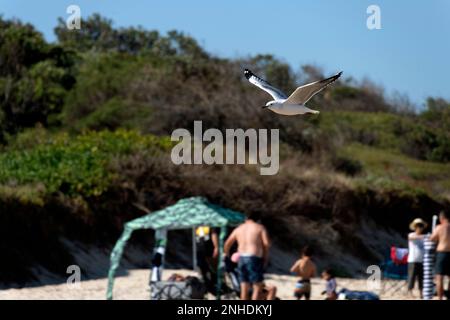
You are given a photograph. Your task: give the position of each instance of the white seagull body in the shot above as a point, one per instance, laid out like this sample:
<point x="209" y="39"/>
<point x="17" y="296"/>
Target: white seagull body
<point x="295" y="103"/>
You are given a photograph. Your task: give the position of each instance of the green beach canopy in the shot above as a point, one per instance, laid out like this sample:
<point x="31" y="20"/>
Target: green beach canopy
<point x="185" y="214"/>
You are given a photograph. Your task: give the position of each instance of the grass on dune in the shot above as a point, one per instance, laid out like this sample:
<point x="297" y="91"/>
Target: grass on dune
<point x="399" y="169"/>
<point x="376" y="128"/>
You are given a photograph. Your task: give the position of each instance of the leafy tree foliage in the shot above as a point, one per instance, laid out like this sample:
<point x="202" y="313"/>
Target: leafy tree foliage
<point x="98" y="34"/>
<point x="103" y="77"/>
<point x="34" y="77"/>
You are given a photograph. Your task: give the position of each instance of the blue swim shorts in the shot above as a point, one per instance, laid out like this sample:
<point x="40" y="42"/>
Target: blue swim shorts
<point x="251" y="269"/>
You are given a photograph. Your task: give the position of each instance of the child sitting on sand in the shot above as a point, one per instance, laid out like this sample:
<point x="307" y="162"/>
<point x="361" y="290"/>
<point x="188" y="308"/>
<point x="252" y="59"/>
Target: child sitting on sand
<point x="331" y="285"/>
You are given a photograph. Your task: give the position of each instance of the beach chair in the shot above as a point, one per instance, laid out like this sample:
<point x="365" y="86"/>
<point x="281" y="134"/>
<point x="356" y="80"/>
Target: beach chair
<point x="395" y="270"/>
<point x="232" y="283"/>
<point x="191" y="288"/>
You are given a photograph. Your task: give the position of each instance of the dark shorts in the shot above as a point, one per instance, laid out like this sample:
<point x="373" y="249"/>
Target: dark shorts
<point x="443" y="263"/>
<point x="251" y="269"/>
<point x="303" y="289"/>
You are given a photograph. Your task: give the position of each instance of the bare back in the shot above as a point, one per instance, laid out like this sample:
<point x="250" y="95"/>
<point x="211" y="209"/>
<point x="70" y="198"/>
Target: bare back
<point x="305" y="268"/>
<point x="442" y="236"/>
<point x="250" y="237"/>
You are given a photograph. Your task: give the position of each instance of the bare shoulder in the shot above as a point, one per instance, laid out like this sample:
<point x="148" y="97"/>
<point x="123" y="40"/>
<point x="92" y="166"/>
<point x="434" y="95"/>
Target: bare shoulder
<point x="262" y="228"/>
<point x="310" y="264"/>
<point x="238" y="229"/>
<point x="302" y="262"/>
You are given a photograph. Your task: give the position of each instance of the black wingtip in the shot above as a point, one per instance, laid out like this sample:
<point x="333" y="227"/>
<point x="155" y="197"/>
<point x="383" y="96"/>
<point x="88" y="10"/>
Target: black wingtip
<point x="248" y="73"/>
<point x="335" y="77"/>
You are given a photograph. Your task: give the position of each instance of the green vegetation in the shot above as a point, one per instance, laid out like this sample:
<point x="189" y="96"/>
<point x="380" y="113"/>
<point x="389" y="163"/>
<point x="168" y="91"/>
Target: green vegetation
<point x="390" y="168"/>
<point x="412" y="135"/>
<point x="71" y="165"/>
<point x="107" y="78"/>
<point x="34" y="77"/>
<point x="84" y="126"/>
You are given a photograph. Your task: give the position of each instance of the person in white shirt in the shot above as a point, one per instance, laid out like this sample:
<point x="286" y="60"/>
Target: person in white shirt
<point x="415" y="254"/>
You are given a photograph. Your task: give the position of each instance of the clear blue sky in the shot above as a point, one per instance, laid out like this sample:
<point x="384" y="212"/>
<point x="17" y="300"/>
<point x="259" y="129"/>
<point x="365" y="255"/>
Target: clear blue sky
<point x="409" y="54"/>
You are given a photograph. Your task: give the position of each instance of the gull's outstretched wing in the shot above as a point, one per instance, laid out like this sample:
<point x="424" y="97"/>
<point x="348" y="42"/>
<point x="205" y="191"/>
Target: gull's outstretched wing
<point x="302" y="94"/>
<point x="264" y="85"/>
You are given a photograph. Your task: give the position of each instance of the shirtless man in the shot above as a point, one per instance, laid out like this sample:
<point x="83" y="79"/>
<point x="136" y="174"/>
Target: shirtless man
<point x="305" y="268"/>
<point x="441" y="235"/>
<point x="253" y="248"/>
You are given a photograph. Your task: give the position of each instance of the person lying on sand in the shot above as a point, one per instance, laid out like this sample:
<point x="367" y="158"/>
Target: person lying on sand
<point x="305" y="268"/>
<point x="253" y="248"/>
<point x="175" y="277"/>
<point x="330" y="288"/>
<point x="268" y="292"/>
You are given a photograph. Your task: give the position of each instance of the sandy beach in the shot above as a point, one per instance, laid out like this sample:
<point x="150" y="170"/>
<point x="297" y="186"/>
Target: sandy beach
<point x="133" y="286"/>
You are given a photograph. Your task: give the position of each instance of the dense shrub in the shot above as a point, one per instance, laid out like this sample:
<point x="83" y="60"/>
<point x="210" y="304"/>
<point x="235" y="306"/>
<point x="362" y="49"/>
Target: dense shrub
<point x="34" y="77"/>
<point x="73" y="165"/>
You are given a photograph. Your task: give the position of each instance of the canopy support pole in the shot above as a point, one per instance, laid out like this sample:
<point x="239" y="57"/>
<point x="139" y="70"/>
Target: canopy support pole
<point x="194" y="250"/>
<point x="116" y="255"/>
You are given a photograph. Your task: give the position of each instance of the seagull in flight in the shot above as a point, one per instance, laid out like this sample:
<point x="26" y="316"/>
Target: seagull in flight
<point x="295" y="103"/>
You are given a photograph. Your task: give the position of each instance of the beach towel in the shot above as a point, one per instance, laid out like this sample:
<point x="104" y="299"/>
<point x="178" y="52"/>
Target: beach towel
<point x="345" y="294"/>
<point x="399" y="255"/>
